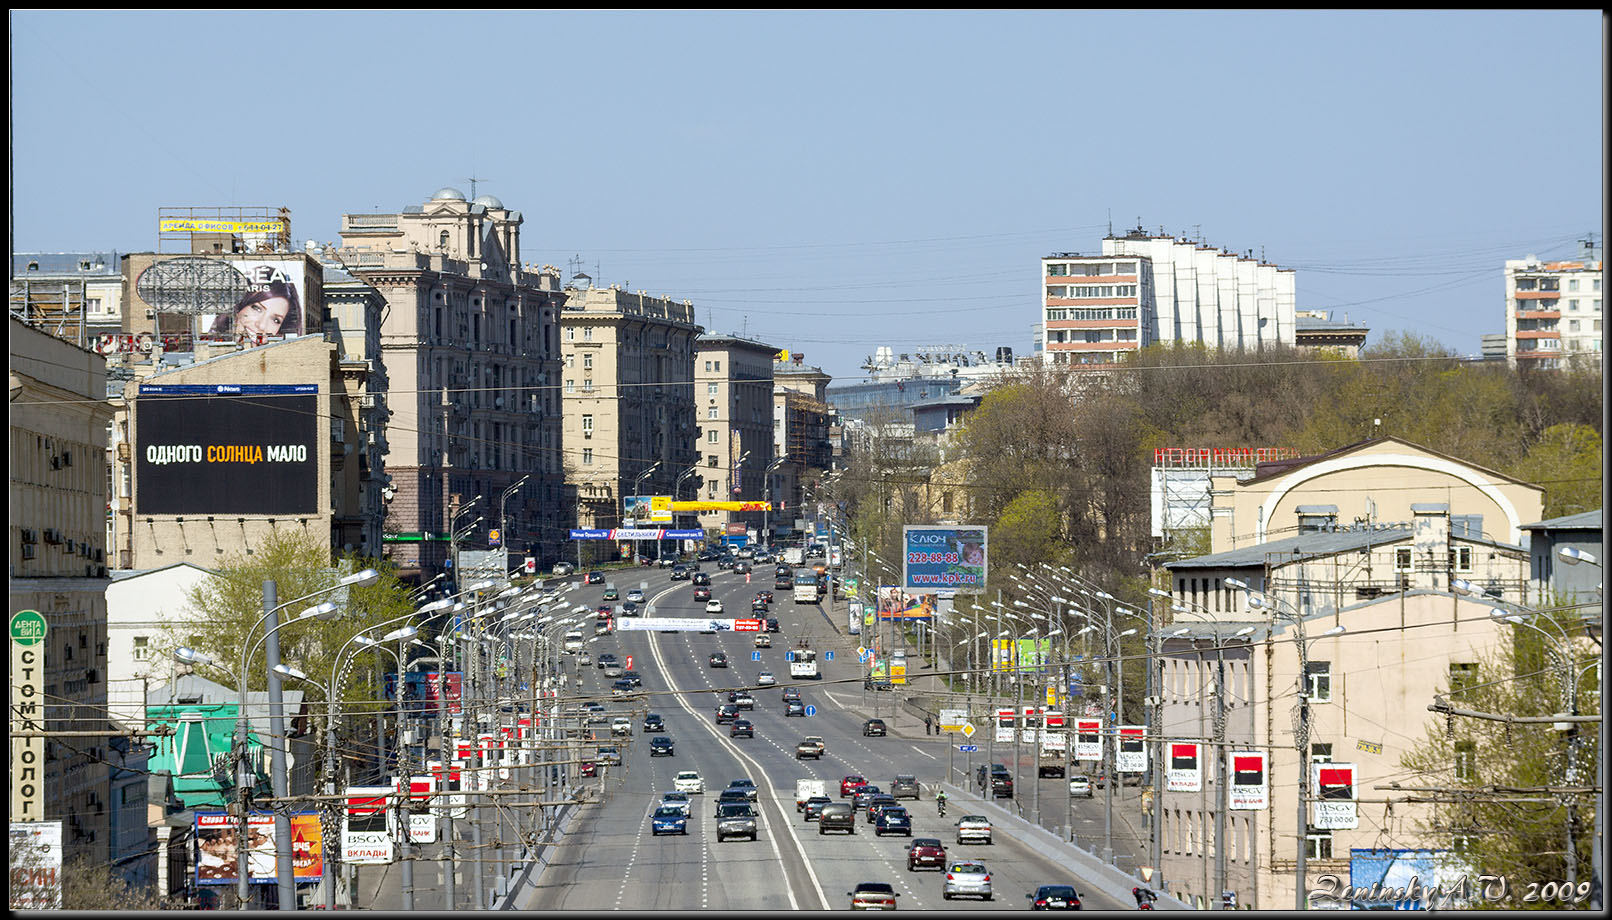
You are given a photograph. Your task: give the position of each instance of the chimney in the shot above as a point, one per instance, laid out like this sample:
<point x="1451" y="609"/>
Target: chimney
<point x="1430" y="539"/>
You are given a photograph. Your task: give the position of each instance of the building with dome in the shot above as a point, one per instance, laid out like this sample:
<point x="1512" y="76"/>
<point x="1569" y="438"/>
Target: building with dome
<point x="469" y="340"/>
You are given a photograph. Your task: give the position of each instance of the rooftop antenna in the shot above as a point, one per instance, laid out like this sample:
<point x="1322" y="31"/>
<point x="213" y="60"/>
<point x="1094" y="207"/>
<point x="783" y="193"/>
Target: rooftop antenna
<point x="473" y="180"/>
<point x="744" y="327"/>
<point x="1110" y="221"/>
<point x="1197" y="233"/>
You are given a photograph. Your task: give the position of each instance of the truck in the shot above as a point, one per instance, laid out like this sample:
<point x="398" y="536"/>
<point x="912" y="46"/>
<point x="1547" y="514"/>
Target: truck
<point x="794" y="555"/>
<point x="806" y="788"/>
<point x="808" y="586"/>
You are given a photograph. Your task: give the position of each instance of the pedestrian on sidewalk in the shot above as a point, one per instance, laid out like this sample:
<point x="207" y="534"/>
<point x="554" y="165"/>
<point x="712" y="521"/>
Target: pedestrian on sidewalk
<point x="929" y="724"/>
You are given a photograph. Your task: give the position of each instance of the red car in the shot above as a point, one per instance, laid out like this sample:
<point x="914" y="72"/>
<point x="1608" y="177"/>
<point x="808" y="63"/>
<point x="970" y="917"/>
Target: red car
<point x="850" y="784"/>
<point x="603" y="611"/>
<point x="926" y="851"/>
<point x="588" y="769"/>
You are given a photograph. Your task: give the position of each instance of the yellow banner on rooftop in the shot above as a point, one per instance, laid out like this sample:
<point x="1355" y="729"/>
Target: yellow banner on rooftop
<point x="187" y="225"/>
<point x="721" y="506"/>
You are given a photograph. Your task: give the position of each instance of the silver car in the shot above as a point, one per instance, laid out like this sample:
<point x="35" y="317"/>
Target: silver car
<point x="967" y="878"/>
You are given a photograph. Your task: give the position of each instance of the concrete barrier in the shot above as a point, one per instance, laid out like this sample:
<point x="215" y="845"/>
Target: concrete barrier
<point x="532" y="875"/>
<point x="1095" y="873"/>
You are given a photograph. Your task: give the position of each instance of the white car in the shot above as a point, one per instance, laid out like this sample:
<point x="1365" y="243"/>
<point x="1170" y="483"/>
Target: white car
<point x="765" y="679"/>
<point x="689" y="782"/>
<point x="677" y="800"/>
<point x="974" y="829"/>
<point x="713" y="606"/>
<point x="621" y="725"/>
<point x="636" y="596"/>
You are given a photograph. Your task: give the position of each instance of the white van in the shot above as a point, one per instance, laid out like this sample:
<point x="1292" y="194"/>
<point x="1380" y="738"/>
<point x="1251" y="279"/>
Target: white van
<point x="806" y="788"/>
<point x="573" y="641"/>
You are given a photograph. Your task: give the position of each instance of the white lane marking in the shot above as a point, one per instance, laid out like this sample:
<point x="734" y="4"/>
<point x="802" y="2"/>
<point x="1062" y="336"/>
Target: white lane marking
<point x="917" y="751"/>
<point x="772" y="839"/>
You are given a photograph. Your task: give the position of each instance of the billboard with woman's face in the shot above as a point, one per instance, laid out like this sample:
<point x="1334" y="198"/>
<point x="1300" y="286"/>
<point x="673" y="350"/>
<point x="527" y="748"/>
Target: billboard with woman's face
<point x="944" y="558"/>
<point x="274" y="303"/>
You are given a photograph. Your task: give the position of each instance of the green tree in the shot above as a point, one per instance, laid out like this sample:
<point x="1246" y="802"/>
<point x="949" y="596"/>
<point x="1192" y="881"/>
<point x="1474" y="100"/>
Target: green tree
<point x="1508" y="810"/>
<point x="1027" y="531"/>
<point x="1566" y="461"/>
<point x="224" y="612"/>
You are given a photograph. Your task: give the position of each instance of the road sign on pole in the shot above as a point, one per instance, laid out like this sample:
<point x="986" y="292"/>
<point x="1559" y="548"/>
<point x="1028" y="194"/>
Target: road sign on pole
<point x="968" y="748"/>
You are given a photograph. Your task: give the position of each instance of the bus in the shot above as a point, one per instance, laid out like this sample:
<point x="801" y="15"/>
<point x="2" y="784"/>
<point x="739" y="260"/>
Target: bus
<point x="803" y="662"/>
<point x="808" y="586"/>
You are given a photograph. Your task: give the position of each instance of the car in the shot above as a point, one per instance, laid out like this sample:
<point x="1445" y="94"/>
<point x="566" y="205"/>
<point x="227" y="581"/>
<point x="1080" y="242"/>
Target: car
<point x="587" y="768"/>
<point x="718" y="660"/>
<point x="608" y="756"/>
<point x="874" y="728"/>
<point x="604" y="612"/>
<point x="689" y="781"/>
<point x="772" y="624"/>
<point x="622" y="688"/>
<point x="677" y="800"/>
<point x="904" y="786"/>
<point x="735" y="819"/>
<point x="861" y="797"/>
<point x="564" y="568"/>
<point x="666" y="562"/>
<point x="1080" y="787"/>
<point x="742" y="699"/>
<point x="636" y="595"/>
<point x="746" y="552"/>
<point x="850" y="784"/>
<point x="621" y="725"/>
<point x="597" y="714"/>
<point x="809" y="747"/>
<point x="730" y="795"/>
<point x="879" y="683"/>
<point x="659" y="745"/>
<point x="713" y="606"/>
<point x="633" y="677"/>
<point x="763" y="640"/>
<point x="668" y="821"/>
<point x="606" y="659"/>
<point x="967" y="877"/>
<point x="764" y="596"/>
<point x="702" y="594"/>
<point x="629" y="608"/>
<point x="700" y="579"/>
<point x="836" y="816"/>
<point x="726" y="712"/>
<point x="791" y="693"/>
<point x="611" y="594"/>
<point x="593" y="578"/>
<point x="893" y="820"/>
<point x="680" y="572"/>
<point x="814" y="806"/>
<point x="1001" y="780"/>
<point x="974" y="829"/>
<point x="872" y="896"/>
<point x="654" y="723"/>
<point x="758" y="609"/>
<point x="926" y="852"/>
<point x="741" y="568"/>
<point x="600" y="628"/>
<point x="877" y="804"/>
<point x="741" y="727"/>
<point x="794" y="708"/>
<point x="746" y="785"/>
<point x="765" y="679"/>
<point x="583" y="658"/>
<point x="613" y="670"/>
<point x="1055" y="897"/>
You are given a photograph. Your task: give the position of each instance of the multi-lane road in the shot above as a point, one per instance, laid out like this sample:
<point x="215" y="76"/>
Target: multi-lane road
<point x="609" y="860"/>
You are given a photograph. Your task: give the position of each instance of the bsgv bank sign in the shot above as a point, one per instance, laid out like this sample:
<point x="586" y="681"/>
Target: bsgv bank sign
<point x="944" y="557"/>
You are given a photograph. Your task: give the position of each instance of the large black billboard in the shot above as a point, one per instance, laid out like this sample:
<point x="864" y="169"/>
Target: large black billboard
<point x="222" y="449"/>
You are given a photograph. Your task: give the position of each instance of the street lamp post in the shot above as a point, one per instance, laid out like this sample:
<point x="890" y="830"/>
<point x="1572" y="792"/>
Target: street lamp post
<point x="637" y="486"/>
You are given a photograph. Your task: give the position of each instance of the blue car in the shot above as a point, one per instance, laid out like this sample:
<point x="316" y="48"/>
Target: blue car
<point x="668" y="821"/>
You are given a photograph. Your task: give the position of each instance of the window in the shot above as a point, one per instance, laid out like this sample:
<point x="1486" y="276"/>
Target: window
<point x="1572" y="304"/>
<point x="708" y="367"/>
<point x="1321" y="753"/>
<point x="587" y="384"/>
<point x="142" y="648"/>
<point x="710" y="389"/>
<point x="570" y="386"/>
<point x="710" y="460"/>
<point x="1462" y="675"/>
<point x="1318" y="844"/>
<point x="587" y="361"/>
<point x="1466" y="761"/>
<point x="1461" y="558"/>
<point x="570" y="336"/>
<point x="587" y="455"/>
<point x="1318" y="676"/>
<point x="587" y="334"/>
<point x="711" y="412"/>
<point x="1572" y="284"/>
<point x="587" y="426"/>
<point x="1402" y="559"/>
<point x="710" y="437"/>
<point x="718" y="367"/>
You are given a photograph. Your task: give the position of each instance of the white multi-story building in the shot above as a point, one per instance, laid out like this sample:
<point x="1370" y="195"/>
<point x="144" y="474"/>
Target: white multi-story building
<point x="1144" y="289"/>
<point x="1553" y="310"/>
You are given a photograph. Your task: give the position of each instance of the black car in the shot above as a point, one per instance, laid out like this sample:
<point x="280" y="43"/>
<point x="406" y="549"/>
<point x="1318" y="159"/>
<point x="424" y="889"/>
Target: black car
<point x="679" y="572"/>
<point x="654" y="723"/>
<point x="873" y="728"/>
<point x="594" y="578"/>
<point x="701" y="580"/>
<point x="605" y="660"/>
<point x="719" y="660"/>
<point x="660" y="744"/>
<point x="892" y="820"/>
<point x="814" y="806"/>
<point x="1001" y="780"/>
<point x="629" y="608"/>
<point x="727" y="712"/>
<point x="1055" y="897"/>
<point x="741" y="727"/>
<point x="633" y="677"/>
<point x="772" y="624"/>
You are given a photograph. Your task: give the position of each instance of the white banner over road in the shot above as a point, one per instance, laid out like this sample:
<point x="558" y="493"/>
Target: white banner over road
<point x="686" y="624"/>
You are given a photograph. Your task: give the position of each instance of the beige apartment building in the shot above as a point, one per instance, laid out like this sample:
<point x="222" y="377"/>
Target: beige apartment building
<point x="1366" y="539"/>
<point x="801" y="419"/>
<point x="469" y="340"/>
<point x="628" y="396"/>
<point x="733" y="392"/>
<point x="57" y="566"/>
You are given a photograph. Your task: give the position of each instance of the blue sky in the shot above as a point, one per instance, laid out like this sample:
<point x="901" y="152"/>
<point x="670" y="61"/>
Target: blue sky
<point x="832" y="182"/>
